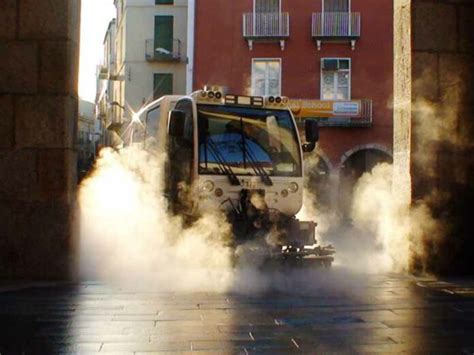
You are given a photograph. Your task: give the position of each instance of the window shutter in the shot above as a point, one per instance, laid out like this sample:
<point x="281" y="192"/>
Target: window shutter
<point x="266" y="6"/>
<point x="162" y="85"/>
<point x="163" y="33"/>
<point x="336" y="5"/>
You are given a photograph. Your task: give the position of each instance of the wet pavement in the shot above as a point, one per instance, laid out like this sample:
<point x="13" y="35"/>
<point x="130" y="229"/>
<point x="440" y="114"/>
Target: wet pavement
<point x="389" y="314"/>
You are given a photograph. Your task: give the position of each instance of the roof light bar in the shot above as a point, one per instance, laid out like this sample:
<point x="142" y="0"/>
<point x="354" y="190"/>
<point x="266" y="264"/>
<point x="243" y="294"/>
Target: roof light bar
<point x="244" y="100"/>
<point x="214" y="96"/>
<point x="276" y="101"/>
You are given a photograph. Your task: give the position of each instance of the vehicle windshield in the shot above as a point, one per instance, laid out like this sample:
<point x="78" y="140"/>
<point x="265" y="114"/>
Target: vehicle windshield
<point x="249" y="141"/>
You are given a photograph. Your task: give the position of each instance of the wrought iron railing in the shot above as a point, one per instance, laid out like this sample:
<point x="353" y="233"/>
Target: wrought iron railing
<point x="266" y="25"/>
<point x="155" y="53"/>
<point x="102" y="109"/>
<point x="336" y="25"/>
<point x="363" y="119"/>
<point x="102" y="72"/>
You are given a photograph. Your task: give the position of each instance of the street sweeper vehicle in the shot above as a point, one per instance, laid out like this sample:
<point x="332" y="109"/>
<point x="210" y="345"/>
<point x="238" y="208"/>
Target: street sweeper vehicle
<point x="244" y="156"/>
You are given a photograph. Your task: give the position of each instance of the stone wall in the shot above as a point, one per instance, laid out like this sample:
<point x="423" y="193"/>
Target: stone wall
<point x="38" y="108"/>
<point x="442" y="154"/>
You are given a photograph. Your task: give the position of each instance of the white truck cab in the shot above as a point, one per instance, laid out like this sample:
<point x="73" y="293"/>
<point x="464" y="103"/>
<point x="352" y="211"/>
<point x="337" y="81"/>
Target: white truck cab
<point x="242" y="154"/>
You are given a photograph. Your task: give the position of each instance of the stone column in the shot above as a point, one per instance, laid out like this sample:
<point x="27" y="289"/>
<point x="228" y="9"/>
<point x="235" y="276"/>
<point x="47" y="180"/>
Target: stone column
<point x="39" y="41"/>
<point x="402" y="101"/>
<point x="442" y="154"/>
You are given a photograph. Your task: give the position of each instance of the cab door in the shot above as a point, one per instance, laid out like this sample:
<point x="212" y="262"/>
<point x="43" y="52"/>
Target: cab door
<point x="180" y="162"/>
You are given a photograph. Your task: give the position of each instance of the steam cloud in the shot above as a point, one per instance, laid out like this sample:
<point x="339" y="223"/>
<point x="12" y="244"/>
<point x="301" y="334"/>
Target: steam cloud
<point x="383" y="232"/>
<point x="128" y="238"/>
<point x="127" y="235"/>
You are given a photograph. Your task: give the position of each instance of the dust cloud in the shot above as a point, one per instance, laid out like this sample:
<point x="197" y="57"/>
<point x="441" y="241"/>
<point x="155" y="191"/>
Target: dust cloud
<point x="128" y="238"/>
<point x="397" y="227"/>
<point x="386" y="231"/>
<point x="381" y="233"/>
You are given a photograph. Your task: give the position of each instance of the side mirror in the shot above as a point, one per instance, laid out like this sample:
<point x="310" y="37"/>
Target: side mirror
<point x="311" y="128"/>
<point x="176" y="123"/>
<point x="203" y="126"/>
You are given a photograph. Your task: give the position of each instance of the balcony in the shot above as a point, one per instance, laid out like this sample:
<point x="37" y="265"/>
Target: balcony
<point x="266" y="27"/>
<point x="102" y="72"/>
<point x="101" y="110"/>
<point x="336" y="26"/>
<point x="105" y="72"/>
<point x="350" y="113"/>
<point x="159" y="54"/>
<point x="362" y="119"/>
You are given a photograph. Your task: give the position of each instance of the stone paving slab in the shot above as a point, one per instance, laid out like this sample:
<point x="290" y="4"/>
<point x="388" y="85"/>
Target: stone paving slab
<point x="390" y="314"/>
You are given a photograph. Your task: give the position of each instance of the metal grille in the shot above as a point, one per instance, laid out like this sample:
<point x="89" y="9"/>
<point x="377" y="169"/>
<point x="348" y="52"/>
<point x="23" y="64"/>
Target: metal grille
<point x="266" y="25"/>
<point x="159" y="54"/>
<point x="336" y="24"/>
<point x="336" y="5"/>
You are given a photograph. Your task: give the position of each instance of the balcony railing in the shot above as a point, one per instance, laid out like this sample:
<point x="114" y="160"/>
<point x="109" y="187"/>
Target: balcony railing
<point x="363" y="119"/>
<point x="102" y="109"/>
<point x="102" y="72"/>
<point x="154" y="53"/>
<point x="350" y="113"/>
<point x="336" y="25"/>
<point x="266" y="25"/>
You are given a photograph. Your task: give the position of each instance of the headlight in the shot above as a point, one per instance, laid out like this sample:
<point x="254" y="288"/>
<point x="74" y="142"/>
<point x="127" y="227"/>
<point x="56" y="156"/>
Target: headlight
<point x="218" y="192"/>
<point x="284" y="193"/>
<point x="207" y="186"/>
<point x="293" y="187"/>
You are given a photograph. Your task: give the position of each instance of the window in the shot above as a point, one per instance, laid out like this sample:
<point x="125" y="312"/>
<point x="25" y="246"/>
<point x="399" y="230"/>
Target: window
<point x="163" y="42"/>
<point x="163" y="2"/>
<point x="247" y="138"/>
<point x="336" y="5"/>
<point x="186" y="106"/>
<point x="153" y="122"/>
<point x="335" y="79"/>
<point x="162" y="85"/>
<point x="266" y="6"/>
<point x="266" y="77"/>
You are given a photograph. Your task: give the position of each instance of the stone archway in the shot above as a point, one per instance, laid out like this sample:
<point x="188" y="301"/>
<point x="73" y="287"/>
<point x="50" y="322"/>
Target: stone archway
<point x="354" y="163"/>
<point x="368" y="147"/>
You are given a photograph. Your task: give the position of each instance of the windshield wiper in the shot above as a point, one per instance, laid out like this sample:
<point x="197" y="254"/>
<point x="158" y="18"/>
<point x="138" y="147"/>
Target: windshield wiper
<point x="224" y="167"/>
<point x="252" y="161"/>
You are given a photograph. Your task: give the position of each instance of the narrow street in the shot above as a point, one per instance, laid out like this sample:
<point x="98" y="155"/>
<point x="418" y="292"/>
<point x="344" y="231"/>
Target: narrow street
<point x="381" y="314"/>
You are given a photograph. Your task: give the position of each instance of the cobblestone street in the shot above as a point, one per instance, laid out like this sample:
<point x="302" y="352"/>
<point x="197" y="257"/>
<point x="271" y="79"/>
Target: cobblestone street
<point x="387" y="314"/>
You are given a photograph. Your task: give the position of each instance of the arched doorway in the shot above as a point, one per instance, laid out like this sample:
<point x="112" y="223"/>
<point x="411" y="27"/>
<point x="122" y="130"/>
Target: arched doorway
<point x="352" y="168"/>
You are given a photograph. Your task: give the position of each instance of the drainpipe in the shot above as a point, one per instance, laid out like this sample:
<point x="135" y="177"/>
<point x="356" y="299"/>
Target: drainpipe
<point x="190" y="49"/>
